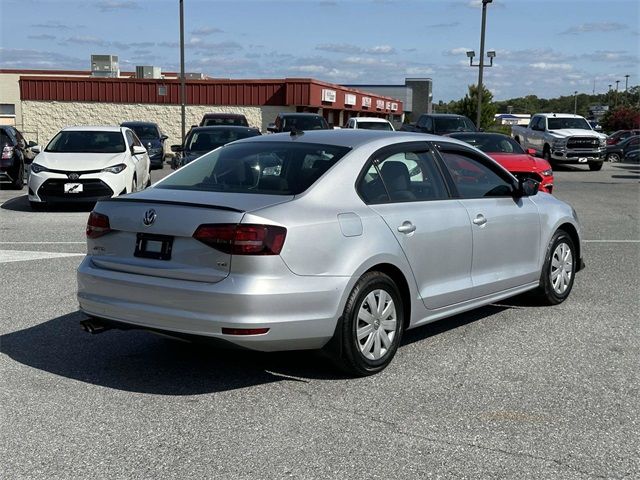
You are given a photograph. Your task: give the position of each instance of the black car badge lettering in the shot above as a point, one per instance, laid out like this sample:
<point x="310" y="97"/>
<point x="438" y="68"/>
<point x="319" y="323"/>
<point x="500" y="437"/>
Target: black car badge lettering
<point x="149" y="217"/>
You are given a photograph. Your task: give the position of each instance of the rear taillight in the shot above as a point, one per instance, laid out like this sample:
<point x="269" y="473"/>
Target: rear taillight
<point x="611" y="141"/>
<point x="7" y="152"/>
<point x="242" y="239"/>
<point x="97" y="225"/>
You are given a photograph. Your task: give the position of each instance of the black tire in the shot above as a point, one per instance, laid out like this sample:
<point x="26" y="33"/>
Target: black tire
<point x="546" y="294"/>
<point x="37" y="206"/>
<point x="18" y="183"/>
<point x="348" y="355"/>
<point x="595" y="166"/>
<point x="546" y="154"/>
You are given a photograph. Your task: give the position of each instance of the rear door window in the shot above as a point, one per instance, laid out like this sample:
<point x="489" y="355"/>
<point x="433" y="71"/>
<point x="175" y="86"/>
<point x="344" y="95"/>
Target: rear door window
<point x="274" y="168"/>
<point x="408" y="176"/>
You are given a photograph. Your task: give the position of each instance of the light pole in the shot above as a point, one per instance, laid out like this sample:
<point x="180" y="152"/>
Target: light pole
<point x="481" y="65"/>
<point x="626" y="88"/>
<point x="575" y="102"/>
<point x="182" y="86"/>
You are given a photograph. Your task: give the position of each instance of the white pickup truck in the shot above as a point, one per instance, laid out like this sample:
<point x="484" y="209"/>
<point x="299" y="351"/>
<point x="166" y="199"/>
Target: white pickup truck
<point x="562" y="138"/>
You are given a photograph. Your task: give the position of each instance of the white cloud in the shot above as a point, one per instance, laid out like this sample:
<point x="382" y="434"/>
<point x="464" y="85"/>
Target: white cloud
<point x="595" y="27"/>
<point x="551" y="66"/>
<point x="456" y="51"/>
<point x="354" y="49"/>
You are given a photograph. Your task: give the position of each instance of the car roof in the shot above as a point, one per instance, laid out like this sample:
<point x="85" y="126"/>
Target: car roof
<point x="477" y="134"/>
<point x="442" y="115"/>
<point x="94" y="128"/>
<point x="223" y="127"/>
<point x="222" y="115"/>
<point x="371" y="119"/>
<point x="299" y="114"/>
<point x="559" y="115"/>
<point x="137" y="123"/>
<point x="351" y="137"/>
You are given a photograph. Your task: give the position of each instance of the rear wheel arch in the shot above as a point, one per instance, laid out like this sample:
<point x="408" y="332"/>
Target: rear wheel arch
<point x="402" y="284"/>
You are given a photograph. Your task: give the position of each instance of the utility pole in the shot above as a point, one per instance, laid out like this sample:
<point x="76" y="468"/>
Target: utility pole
<point x="182" y="85"/>
<point x="575" y="102"/>
<point x="626" y="88"/>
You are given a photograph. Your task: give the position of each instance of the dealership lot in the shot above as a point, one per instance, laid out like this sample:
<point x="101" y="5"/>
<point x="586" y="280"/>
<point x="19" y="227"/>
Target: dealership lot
<point x="510" y="390"/>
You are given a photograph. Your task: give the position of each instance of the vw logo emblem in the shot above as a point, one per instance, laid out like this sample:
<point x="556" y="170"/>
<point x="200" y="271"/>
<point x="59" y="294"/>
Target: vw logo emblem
<point x="73" y="176"/>
<point x="149" y="217"/>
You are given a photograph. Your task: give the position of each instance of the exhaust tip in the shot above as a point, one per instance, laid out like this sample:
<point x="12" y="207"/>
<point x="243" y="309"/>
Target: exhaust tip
<point x="93" y="326"/>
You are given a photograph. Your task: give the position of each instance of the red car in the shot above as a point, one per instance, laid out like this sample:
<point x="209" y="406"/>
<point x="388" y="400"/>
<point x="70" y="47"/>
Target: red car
<point x="508" y="153"/>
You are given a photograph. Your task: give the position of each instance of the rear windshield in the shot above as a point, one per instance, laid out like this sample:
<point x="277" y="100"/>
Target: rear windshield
<point x="453" y="124"/>
<point x="274" y="168"/>
<point x="375" y="126"/>
<point x="145" y="132"/>
<point x="239" y="121"/>
<point x="205" y="141"/>
<point x="87" y="142"/>
<point x="303" y="123"/>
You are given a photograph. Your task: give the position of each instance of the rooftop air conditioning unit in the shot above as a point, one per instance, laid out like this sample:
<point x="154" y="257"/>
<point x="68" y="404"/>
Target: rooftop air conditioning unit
<point x="144" y="71"/>
<point x="195" y="76"/>
<point x="105" y="66"/>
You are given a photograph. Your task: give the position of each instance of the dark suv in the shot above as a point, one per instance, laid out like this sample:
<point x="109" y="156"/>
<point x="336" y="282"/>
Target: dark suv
<point x="15" y="155"/>
<point x="286" y="122"/>
<point x="441" y="124"/>
<point x="152" y="138"/>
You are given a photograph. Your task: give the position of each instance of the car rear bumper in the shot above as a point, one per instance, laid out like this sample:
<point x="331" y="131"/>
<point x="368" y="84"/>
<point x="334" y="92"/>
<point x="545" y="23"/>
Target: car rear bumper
<point x="300" y="312"/>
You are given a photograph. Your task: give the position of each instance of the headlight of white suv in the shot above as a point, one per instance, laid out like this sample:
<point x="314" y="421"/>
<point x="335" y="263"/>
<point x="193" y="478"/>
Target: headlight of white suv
<point x="115" y="168"/>
<point x="35" y="168"/>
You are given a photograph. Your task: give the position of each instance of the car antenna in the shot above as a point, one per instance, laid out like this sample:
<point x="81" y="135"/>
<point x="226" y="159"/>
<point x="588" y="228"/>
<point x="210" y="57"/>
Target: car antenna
<point x="295" y="132"/>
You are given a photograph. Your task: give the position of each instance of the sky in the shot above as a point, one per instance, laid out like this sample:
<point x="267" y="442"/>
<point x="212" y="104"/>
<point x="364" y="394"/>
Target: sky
<point x="546" y="48"/>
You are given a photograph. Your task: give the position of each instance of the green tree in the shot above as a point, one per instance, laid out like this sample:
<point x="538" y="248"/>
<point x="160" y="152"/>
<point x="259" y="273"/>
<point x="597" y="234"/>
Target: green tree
<point x="468" y="106"/>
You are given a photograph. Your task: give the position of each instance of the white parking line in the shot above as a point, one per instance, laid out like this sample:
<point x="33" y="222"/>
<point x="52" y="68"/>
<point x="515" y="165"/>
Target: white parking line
<point x="43" y="243"/>
<point x="611" y="241"/>
<point x="7" y="256"/>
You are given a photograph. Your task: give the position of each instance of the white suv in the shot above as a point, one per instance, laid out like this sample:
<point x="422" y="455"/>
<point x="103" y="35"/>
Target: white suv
<point x="370" y="123"/>
<point x="86" y="164"/>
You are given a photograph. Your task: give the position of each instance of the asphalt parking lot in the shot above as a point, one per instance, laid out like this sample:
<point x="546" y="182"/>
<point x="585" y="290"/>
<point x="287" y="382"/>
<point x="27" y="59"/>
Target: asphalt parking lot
<point x="507" y="391"/>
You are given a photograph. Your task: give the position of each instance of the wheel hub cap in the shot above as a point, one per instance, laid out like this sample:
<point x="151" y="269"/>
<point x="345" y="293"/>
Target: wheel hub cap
<point x="376" y="325"/>
<point x="561" y="268"/>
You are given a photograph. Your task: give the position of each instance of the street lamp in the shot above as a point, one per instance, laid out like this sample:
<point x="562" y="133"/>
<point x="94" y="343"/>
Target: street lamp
<point x="182" y="86"/>
<point x="575" y="102"/>
<point x="490" y="54"/>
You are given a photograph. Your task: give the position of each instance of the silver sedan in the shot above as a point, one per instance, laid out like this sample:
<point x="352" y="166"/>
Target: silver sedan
<point x="339" y="240"/>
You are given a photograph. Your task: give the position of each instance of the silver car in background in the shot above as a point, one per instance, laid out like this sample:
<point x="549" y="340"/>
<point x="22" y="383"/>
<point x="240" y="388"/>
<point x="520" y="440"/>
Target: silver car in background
<point x="331" y="239"/>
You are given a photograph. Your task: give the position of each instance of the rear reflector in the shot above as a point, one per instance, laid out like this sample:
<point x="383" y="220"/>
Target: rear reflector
<point x="244" y="331"/>
<point x="7" y="152"/>
<point x="97" y="225"/>
<point x="243" y="239"/>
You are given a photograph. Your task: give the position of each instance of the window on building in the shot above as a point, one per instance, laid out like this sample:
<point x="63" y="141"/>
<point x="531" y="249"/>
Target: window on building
<point x="7" y="109"/>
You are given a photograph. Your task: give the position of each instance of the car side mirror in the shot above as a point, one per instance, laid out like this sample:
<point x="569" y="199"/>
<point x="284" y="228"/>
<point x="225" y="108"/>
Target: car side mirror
<point x="527" y="187"/>
<point x="31" y="144"/>
<point x="272" y="128"/>
<point x="35" y="148"/>
<point x="176" y="148"/>
<point x="531" y="151"/>
<point x="138" y="150"/>
<point x="163" y="138"/>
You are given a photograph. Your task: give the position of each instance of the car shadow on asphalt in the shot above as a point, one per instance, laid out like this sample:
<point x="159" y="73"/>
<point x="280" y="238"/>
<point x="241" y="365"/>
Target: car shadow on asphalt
<point x="143" y="362"/>
<point x="21" y="204"/>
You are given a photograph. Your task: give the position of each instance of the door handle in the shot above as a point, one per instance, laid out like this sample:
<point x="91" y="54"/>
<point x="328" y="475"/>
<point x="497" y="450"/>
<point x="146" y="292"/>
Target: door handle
<point x="407" y="227"/>
<point x="479" y="220"/>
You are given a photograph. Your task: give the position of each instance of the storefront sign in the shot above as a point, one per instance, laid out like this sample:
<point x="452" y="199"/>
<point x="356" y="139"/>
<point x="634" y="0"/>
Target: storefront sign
<point x="349" y="99"/>
<point x="394" y="106"/>
<point x="328" y="95"/>
<point x="388" y="105"/>
<point x="366" y="101"/>
<point x="380" y="104"/>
